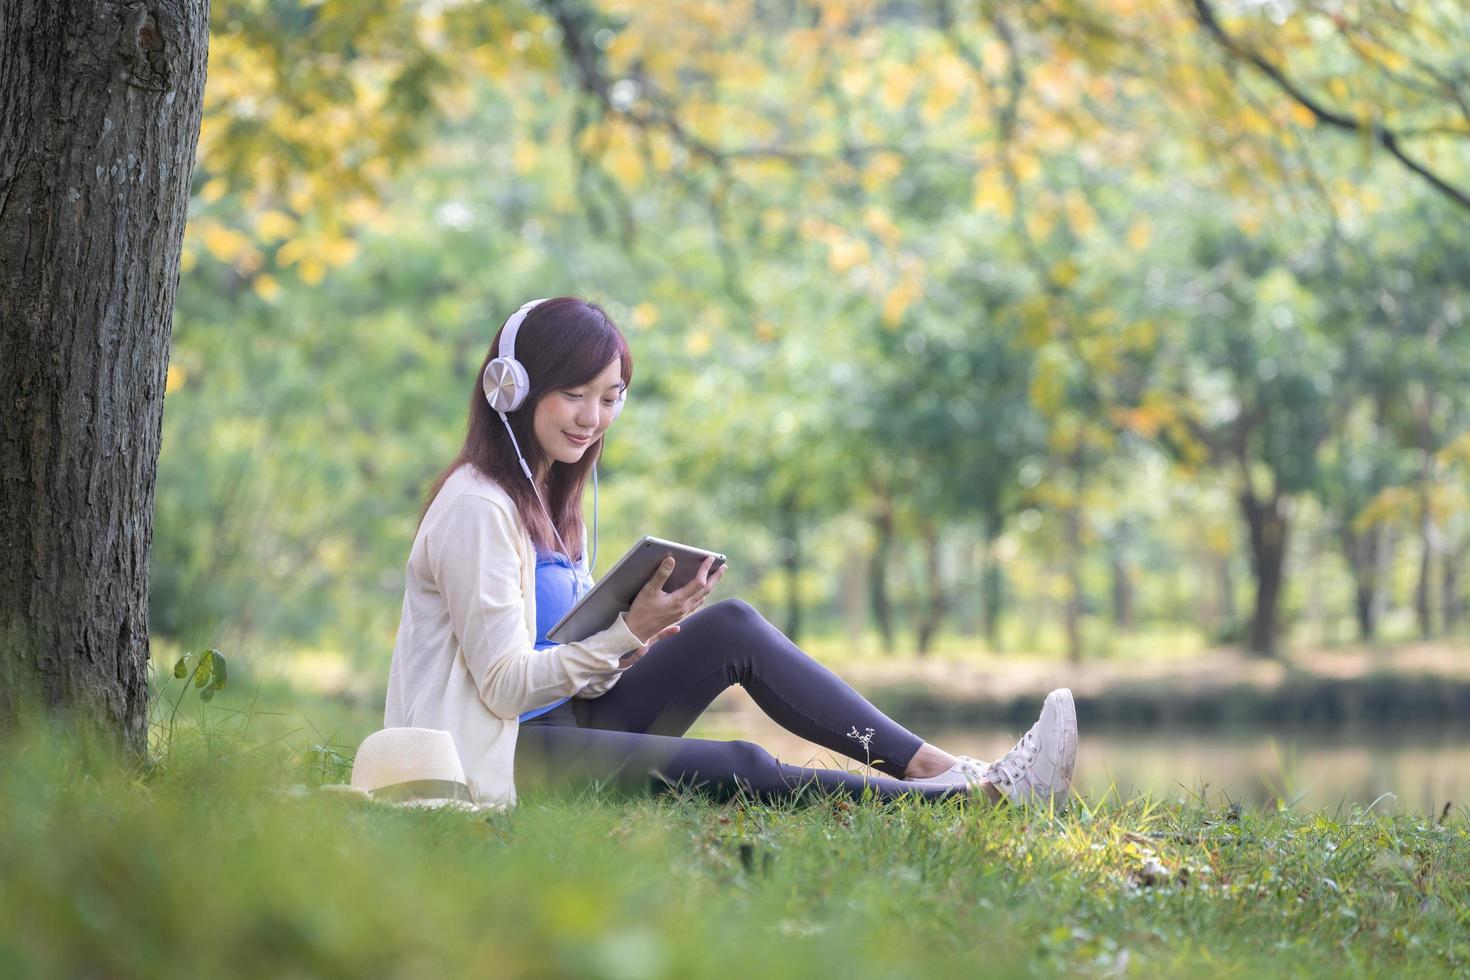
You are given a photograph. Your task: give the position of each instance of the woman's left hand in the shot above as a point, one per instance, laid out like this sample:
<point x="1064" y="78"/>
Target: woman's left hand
<point x="633" y="656"/>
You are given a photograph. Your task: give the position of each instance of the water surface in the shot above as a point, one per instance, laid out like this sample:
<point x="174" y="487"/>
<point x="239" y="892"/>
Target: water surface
<point x="1421" y="770"/>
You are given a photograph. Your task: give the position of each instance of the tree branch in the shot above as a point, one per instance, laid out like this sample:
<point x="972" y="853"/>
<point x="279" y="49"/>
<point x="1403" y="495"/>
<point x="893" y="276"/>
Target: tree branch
<point x="1385" y="137"/>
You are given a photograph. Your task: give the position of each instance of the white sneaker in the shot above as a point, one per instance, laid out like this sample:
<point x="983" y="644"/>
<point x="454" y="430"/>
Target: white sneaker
<point x="1038" y="770"/>
<point x="966" y="772"/>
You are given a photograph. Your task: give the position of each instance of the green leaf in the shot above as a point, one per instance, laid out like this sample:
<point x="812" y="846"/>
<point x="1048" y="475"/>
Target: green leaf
<point x="221" y="675"/>
<point x="181" y="669"/>
<point x="204" y="673"/>
<point x="207" y="694"/>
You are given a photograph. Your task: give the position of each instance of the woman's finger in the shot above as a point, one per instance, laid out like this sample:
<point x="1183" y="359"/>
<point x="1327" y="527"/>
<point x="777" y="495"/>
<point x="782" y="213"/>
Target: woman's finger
<point x="714" y="580"/>
<point x="655" y="583"/>
<point x="697" y="582"/>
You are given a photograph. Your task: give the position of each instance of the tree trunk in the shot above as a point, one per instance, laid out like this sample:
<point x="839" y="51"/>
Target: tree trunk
<point x="934" y="609"/>
<point x="1072" y="608"/>
<point x="878" y="574"/>
<point x="1229" y="621"/>
<point x="1122" y="578"/>
<point x="1361" y="550"/>
<point x="791" y="564"/>
<point x="1315" y="607"/>
<point x="1424" y="588"/>
<point x="1451" y="560"/>
<point x="1073" y="529"/>
<point x="100" y="104"/>
<point x="1267" y="522"/>
<point x="993" y="583"/>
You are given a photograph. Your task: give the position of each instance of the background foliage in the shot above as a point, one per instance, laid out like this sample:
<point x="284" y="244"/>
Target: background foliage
<point x="955" y="323"/>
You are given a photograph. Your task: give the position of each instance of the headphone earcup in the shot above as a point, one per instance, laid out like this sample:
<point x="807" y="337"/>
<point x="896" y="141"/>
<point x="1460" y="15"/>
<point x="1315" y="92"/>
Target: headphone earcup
<point x="505" y="384"/>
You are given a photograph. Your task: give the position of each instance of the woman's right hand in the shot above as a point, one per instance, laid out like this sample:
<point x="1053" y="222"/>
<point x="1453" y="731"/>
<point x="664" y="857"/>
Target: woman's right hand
<point x="654" y="609"/>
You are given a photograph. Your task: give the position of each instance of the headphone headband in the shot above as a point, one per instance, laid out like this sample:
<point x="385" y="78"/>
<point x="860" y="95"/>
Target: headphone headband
<point x="513" y="326"/>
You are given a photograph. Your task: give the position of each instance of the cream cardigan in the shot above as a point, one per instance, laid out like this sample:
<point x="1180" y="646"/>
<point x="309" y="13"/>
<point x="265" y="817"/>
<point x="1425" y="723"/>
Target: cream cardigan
<point x="464" y="660"/>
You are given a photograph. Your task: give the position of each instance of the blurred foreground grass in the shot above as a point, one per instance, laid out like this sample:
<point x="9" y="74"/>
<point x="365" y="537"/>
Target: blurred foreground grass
<point x="227" y="861"/>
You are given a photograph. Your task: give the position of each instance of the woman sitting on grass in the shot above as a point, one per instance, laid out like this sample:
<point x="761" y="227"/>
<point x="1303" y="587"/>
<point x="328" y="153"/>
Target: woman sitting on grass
<point x="489" y="573"/>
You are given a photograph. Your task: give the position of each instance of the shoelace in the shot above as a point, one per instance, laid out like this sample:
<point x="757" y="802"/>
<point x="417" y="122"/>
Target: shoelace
<point x="1014" y="765"/>
<point x="972" y="769"/>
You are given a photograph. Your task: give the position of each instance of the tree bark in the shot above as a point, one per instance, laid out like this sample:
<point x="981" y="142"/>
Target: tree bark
<point x="878" y="574"/>
<point x="1423" y="588"/>
<point x="100" y="103"/>
<point x="993" y="583"/>
<point x="1229" y="622"/>
<point x="1267" y="522"/>
<point x="1122" y="577"/>
<point x="934" y="608"/>
<point x="1361" y="550"/>
<point x="1450" y="605"/>
<point x="1072" y="607"/>
<point x="791" y="564"/>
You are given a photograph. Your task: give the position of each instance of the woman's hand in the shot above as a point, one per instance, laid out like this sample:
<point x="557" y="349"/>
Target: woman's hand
<point x="655" y="610"/>
<point x="633" y="656"/>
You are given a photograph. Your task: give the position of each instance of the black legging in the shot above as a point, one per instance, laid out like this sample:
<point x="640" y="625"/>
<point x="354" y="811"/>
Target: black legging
<point x="631" y="737"/>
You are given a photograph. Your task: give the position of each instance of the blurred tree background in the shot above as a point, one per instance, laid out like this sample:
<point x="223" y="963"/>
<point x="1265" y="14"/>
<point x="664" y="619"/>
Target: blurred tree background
<point x="1078" y="327"/>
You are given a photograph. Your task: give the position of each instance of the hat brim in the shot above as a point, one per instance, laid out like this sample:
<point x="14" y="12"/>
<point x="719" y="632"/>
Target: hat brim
<point x="416" y="803"/>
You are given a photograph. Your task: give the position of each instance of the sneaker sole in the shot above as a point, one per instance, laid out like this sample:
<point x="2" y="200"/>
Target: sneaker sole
<point x="1062" y="698"/>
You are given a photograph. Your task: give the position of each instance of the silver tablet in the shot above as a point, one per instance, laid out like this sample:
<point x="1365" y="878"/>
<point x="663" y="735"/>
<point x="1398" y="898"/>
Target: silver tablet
<point x="615" y="592"/>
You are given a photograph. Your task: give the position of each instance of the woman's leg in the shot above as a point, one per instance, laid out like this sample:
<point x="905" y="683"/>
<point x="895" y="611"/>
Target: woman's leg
<point x="562" y="755"/>
<point x="730" y="643"/>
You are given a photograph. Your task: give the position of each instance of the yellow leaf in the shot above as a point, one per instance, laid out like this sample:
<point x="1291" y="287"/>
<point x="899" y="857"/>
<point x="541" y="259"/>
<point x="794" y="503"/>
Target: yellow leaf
<point x="312" y="271"/>
<point x="266" y="287"/>
<point x="645" y="315"/>
<point x="291" y="252"/>
<point x="1303" y="116"/>
<point x="699" y="343"/>
<point x="1039" y="225"/>
<point x="991" y="194"/>
<point x="1027" y="167"/>
<point x="878" y="221"/>
<point x="1064" y="273"/>
<point x="880" y="170"/>
<point x="225" y="244"/>
<point x="846" y="254"/>
<point x="175" y="378"/>
<point x="1139" y="234"/>
<point x="624" y="163"/>
<point x="526" y="156"/>
<point x="338" y="251"/>
<point x="898" y="301"/>
<point x="213" y="190"/>
<point x="274" y="225"/>
<point x="898" y="82"/>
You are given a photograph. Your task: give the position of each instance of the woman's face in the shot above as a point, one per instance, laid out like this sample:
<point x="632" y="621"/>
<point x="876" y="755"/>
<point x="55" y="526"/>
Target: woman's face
<point x="586" y="411"/>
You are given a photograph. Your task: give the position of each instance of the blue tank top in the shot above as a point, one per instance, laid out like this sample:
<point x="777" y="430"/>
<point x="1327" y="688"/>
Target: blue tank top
<point x="559" y="584"/>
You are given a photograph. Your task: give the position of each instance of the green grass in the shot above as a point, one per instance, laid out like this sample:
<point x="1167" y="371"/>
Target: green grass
<point x="227" y="861"/>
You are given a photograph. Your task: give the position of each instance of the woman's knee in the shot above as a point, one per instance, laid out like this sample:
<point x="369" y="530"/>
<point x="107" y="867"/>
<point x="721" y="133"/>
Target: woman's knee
<point x="748" y="759"/>
<point x="728" y="614"/>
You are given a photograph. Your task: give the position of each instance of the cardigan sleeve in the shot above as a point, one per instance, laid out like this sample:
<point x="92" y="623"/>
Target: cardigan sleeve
<point x="476" y="565"/>
<point x="603" y="684"/>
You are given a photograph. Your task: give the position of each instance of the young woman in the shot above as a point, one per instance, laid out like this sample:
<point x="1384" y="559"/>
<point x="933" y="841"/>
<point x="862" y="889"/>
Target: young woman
<point x="491" y="570"/>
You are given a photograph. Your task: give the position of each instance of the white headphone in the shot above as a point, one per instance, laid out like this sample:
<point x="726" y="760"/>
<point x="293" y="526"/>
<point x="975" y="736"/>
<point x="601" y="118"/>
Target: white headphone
<point x="507" y="385"/>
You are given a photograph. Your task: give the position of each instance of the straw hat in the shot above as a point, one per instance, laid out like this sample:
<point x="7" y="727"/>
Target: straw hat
<point x="413" y="767"/>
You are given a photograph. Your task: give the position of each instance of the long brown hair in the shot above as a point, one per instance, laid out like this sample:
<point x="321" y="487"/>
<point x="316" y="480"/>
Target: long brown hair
<point x="563" y="343"/>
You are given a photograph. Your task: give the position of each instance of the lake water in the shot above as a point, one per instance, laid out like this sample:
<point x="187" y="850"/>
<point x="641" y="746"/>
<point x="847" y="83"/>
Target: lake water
<point x="1422" y="769"/>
